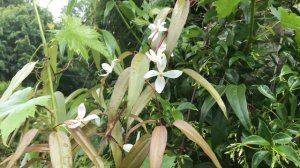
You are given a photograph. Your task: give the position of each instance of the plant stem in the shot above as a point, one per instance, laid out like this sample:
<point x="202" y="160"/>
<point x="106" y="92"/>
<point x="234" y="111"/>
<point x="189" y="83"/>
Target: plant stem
<point x="45" y="46"/>
<point x="251" y="27"/>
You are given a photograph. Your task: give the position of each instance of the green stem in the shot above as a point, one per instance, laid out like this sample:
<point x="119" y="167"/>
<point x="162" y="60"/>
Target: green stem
<point x="127" y="25"/>
<point x="45" y="46"/>
<point x="251" y="26"/>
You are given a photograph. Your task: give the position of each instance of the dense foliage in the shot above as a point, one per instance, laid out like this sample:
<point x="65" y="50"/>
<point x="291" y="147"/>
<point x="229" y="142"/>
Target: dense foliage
<point x="232" y="87"/>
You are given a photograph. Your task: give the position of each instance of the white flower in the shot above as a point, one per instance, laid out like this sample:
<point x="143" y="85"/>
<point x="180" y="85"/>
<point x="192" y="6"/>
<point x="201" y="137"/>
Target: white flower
<point x="160" y="80"/>
<point x="155" y="57"/>
<point x="109" y="68"/>
<point x="162" y="47"/>
<point x="127" y="147"/>
<point x="156" y="28"/>
<point x="80" y="120"/>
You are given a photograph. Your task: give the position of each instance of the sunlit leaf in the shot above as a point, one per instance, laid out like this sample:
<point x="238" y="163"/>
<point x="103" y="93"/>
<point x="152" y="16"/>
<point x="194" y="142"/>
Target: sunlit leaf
<point x="194" y="136"/>
<point x="281" y="138"/>
<point x="258" y="157"/>
<point x="289" y="153"/>
<point x="255" y="140"/>
<point x="226" y="7"/>
<point x="157" y="147"/>
<point x="60" y="150"/>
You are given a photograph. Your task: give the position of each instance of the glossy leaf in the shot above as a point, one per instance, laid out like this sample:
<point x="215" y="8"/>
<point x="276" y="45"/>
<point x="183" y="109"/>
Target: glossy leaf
<point x="281" y="138"/>
<point x="194" y="136"/>
<point x="17" y="80"/>
<point x="258" y="157"/>
<point x="255" y="140"/>
<point x="289" y="153"/>
<point x="138" y="153"/>
<point x="178" y="19"/>
<point x="60" y="150"/>
<point x="266" y="91"/>
<point x="237" y="99"/>
<point x="24" y="142"/>
<point x="204" y="83"/>
<point x="157" y="147"/>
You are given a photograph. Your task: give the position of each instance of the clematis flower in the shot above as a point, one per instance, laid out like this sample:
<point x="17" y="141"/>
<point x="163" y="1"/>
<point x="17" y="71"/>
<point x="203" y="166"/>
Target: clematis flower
<point x="156" y="28"/>
<point x="160" y="80"/>
<point x="109" y="68"/>
<point x="162" y="47"/>
<point x="155" y="57"/>
<point x="127" y="147"/>
<point x="80" y="120"/>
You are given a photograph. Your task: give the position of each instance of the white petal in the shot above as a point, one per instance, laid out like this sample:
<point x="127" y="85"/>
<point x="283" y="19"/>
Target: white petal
<point x="114" y="63"/>
<point x="160" y="84"/>
<point x="155" y="36"/>
<point x="152" y="35"/>
<point x="150" y="74"/>
<point x="127" y="147"/>
<point x="151" y="55"/>
<point x="72" y="123"/>
<point x="81" y="111"/>
<point x="90" y="117"/>
<point x="172" y="74"/>
<point x="161" y="65"/>
<point x="152" y="26"/>
<point x="107" y="67"/>
<point x="105" y="74"/>
<point x="162" y="29"/>
<point x="162" y="47"/>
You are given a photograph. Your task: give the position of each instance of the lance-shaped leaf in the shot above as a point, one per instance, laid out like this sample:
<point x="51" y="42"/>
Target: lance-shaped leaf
<point x="138" y="153"/>
<point x="157" y="147"/>
<point x="16" y="109"/>
<point x="61" y="107"/>
<point x="143" y="100"/>
<point x="237" y="99"/>
<point x="194" y="136"/>
<point x="84" y="142"/>
<point x="204" y="83"/>
<point x="60" y="150"/>
<point x="139" y="67"/>
<point x="115" y="146"/>
<point x="178" y="19"/>
<point x="24" y="142"/>
<point x="17" y="80"/>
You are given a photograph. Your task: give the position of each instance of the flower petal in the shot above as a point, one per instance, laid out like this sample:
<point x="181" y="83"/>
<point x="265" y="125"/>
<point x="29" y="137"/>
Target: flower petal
<point x="81" y="111"/>
<point x="172" y="74"/>
<point x="90" y="117"/>
<point x="150" y="74"/>
<point x="152" y="26"/>
<point x="127" y="147"/>
<point x="162" y="47"/>
<point x="155" y="36"/>
<point x="152" y="35"/>
<point x="162" y="29"/>
<point x="161" y="65"/>
<point x="160" y="84"/>
<point x="72" y="123"/>
<point x="114" y="63"/>
<point x="107" y="67"/>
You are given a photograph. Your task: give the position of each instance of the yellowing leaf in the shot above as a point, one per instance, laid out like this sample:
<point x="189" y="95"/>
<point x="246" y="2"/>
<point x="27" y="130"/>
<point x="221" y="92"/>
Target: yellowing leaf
<point x="60" y="150"/>
<point x="204" y="83"/>
<point x="178" y="19"/>
<point x="157" y="147"/>
<point x="194" y="136"/>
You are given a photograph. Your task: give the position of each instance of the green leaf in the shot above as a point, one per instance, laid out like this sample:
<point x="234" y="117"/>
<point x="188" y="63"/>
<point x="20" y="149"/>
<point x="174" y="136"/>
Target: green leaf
<point x="111" y="43"/>
<point x="17" y="80"/>
<point x="61" y="107"/>
<point x="109" y="6"/>
<point x="264" y="131"/>
<point x="237" y="99"/>
<point x="286" y="70"/>
<point x="187" y="106"/>
<point x="139" y="66"/>
<point x="266" y="91"/>
<point x="289" y="153"/>
<point x="204" y="83"/>
<point x="281" y="138"/>
<point x="178" y="19"/>
<point x="258" y="157"/>
<point x="255" y="140"/>
<point x="79" y="37"/>
<point x="226" y="7"/>
<point x="176" y="114"/>
<point x="17" y="108"/>
<point x="168" y="162"/>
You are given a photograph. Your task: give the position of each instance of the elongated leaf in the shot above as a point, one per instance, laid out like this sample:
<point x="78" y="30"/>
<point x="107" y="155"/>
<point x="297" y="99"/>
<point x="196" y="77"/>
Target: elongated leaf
<point x="289" y="153"/>
<point x="204" y="83"/>
<point x="258" y="157"/>
<point x="24" y="142"/>
<point x="139" y="66"/>
<point x="61" y="107"/>
<point x="115" y="148"/>
<point x="143" y="100"/>
<point x="17" y="108"/>
<point x="116" y="98"/>
<point x="194" y="136"/>
<point x="157" y="147"/>
<point x="138" y="153"/>
<point x="281" y="138"/>
<point x="178" y="19"/>
<point x="83" y="141"/>
<point x="237" y="99"/>
<point x="266" y="91"/>
<point x="60" y="150"/>
<point x="17" y="80"/>
<point x="226" y="7"/>
<point x="255" y="140"/>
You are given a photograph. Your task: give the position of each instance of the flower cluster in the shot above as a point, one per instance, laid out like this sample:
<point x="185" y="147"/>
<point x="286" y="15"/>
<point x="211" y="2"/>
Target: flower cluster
<point x="160" y="59"/>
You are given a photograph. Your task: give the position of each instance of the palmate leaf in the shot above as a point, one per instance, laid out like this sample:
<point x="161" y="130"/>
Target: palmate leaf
<point x="78" y="37"/>
<point x="16" y="109"/>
